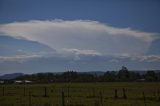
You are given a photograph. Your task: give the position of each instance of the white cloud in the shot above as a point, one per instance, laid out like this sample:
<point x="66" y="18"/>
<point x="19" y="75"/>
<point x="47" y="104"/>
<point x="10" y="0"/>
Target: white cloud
<point x="81" y="52"/>
<point x="85" y="36"/>
<point x="150" y="58"/>
<point x="139" y="58"/>
<point x="19" y="58"/>
<point x="77" y="53"/>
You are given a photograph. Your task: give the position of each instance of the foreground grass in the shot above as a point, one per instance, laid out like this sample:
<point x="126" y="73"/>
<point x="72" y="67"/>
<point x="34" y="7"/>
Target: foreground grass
<point x="81" y="94"/>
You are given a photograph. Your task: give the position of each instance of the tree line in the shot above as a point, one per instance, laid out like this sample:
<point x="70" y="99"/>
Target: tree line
<point x="123" y="75"/>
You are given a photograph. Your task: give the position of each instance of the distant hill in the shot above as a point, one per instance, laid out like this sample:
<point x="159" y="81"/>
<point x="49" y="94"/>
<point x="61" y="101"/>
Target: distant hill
<point x="97" y="73"/>
<point x="142" y="72"/>
<point x="10" y="76"/>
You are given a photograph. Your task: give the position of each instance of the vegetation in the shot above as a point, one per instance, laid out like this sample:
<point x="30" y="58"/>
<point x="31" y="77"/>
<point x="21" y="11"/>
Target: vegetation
<point x="81" y="94"/>
<point x="123" y="75"/>
<point x="110" y="89"/>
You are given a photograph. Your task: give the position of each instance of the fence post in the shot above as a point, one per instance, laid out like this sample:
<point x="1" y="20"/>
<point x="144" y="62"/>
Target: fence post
<point x="24" y="91"/>
<point x="45" y="92"/>
<point x="68" y="87"/>
<point x="30" y="98"/>
<point x="93" y="91"/>
<point x="63" y="103"/>
<point x="144" y="98"/>
<point x="3" y="91"/>
<point x="101" y="98"/>
<point x="124" y="94"/>
<point x="115" y="94"/>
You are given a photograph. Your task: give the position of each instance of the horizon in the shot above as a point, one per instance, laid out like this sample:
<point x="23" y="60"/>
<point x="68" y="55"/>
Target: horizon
<point x="56" y="36"/>
<point x="1" y="74"/>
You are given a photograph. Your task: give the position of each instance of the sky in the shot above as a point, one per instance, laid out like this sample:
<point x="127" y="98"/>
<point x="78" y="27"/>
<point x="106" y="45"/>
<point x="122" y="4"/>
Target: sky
<point x="79" y="35"/>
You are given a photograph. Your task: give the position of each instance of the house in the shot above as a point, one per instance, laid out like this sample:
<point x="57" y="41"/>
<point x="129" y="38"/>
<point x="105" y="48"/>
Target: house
<point x="27" y="81"/>
<point x="2" y="82"/>
<point x="18" y="82"/>
<point x="141" y="80"/>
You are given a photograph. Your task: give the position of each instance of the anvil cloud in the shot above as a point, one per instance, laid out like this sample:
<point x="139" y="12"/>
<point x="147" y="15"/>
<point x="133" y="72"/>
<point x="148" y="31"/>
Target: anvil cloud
<point x="85" y="35"/>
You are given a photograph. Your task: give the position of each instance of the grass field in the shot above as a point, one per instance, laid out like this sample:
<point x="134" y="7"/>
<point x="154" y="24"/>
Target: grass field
<point x="81" y="94"/>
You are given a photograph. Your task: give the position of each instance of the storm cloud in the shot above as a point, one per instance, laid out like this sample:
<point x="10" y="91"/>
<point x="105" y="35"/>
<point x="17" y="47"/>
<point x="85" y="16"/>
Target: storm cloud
<point x="82" y="36"/>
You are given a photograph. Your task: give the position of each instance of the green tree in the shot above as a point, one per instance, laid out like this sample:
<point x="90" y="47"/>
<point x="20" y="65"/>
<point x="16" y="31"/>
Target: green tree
<point x="123" y="74"/>
<point x="69" y="76"/>
<point x="134" y="76"/>
<point x="85" y="78"/>
<point x="109" y="76"/>
<point x="158" y="76"/>
<point x="151" y="76"/>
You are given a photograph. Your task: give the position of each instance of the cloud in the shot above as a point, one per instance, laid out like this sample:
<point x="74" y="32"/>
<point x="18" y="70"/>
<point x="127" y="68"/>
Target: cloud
<point x="150" y="58"/>
<point x="85" y="36"/>
<point x="77" y="53"/>
<point x="81" y="52"/>
<point x="19" y="58"/>
<point x="139" y="58"/>
<point x="38" y="63"/>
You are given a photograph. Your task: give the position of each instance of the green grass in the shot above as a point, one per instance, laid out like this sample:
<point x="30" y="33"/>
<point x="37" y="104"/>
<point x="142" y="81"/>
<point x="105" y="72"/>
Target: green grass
<point x="82" y="94"/>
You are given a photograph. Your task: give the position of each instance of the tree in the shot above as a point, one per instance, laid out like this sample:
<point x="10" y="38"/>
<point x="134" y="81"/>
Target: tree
<point x="69" y="76"/>
<point x="158" y="76"/>
<point x="150" y="76"/>
<point x="123" y="74"/>
<point x="85" y="78"/>
<point x="134" y="76"/>
<point x="109" y="76"/>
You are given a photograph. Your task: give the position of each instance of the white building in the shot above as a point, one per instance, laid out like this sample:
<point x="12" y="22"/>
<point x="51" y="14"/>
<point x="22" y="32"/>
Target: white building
<point x="1" y="82"/>
<point x="27" y="81"/>
<point x="18" y="82"/>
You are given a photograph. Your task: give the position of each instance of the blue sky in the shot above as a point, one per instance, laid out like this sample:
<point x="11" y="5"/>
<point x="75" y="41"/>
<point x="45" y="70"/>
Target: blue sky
<point x="137" y="14"/>
<point x="84" y="35"/>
